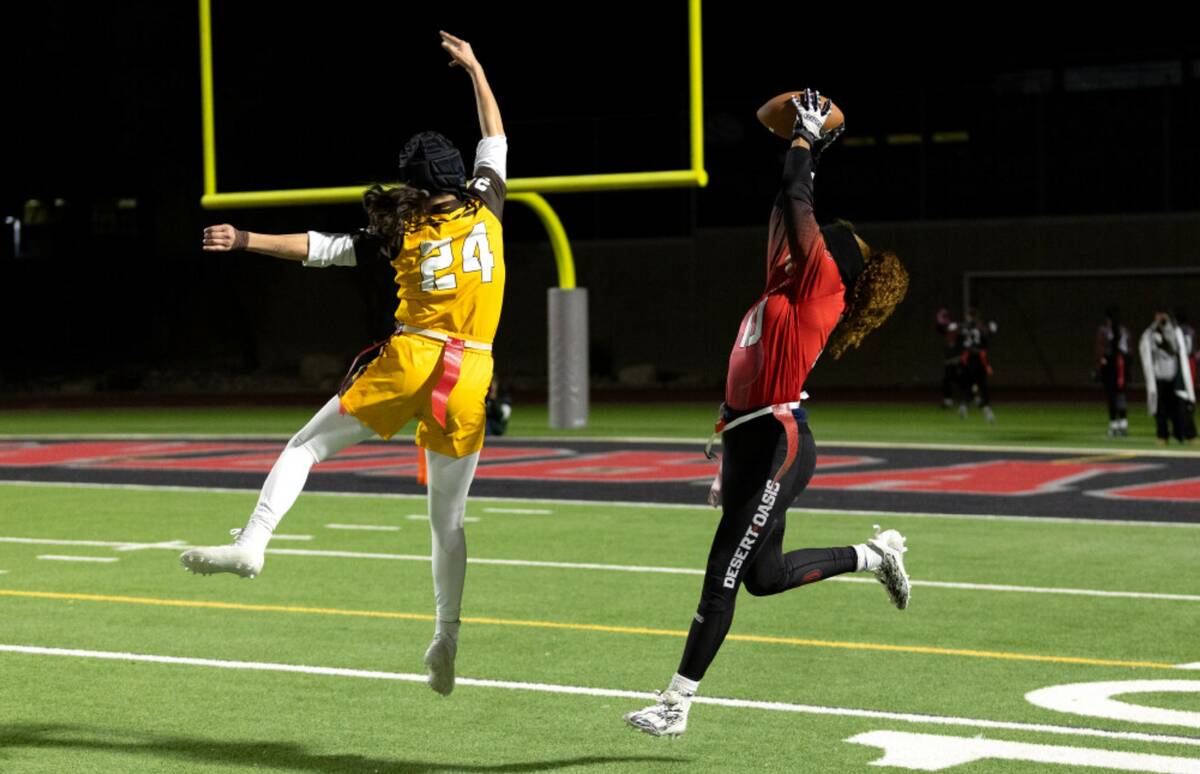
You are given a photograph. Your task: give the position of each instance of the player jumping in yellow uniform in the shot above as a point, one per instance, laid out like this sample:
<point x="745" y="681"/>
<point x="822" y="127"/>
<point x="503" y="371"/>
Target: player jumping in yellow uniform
<point x="443" y="236"/>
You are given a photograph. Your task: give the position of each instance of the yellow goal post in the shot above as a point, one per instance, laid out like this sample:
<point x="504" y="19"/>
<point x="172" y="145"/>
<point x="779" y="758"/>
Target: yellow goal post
<point x="524" y="190"/>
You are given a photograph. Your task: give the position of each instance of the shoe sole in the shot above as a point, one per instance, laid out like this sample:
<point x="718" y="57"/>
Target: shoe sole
<point x="651" y="730"/>
<point x="441" y="671"/>
<point x="895" y="580"/>
<point x="199" y="565"/>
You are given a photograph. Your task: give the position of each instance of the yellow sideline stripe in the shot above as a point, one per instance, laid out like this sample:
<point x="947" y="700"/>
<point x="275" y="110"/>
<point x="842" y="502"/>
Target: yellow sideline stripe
<point x="795" y="641"/>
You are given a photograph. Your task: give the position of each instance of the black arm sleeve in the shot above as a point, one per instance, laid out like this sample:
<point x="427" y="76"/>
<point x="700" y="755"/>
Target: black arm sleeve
<point x="805" y="242"/>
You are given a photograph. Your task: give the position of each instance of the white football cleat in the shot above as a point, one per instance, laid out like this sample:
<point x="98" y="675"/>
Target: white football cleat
<point x="666" y="717"/>
<point x="889" y="544"/>
<point x="237" y="559"/>
<point x="988" y="414"/>
<point x="439" y="661"/>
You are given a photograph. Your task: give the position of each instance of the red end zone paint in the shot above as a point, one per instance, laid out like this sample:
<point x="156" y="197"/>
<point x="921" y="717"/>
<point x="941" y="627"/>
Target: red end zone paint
<point x="997" y="477"/>
<point x="226" y="457"/>
<point x="992" y="477"/>
<point x="1183" y="490"/>
<point x="93" y="453"/>
<point x="627" y="466"/>
<point x="509" y="462"/>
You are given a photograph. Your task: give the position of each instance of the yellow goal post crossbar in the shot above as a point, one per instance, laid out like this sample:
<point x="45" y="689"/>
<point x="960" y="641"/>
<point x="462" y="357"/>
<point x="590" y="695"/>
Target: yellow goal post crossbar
<point x="525" y="190"/>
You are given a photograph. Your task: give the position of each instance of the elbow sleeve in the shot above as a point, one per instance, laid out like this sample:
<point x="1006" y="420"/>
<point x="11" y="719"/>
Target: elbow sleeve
<point x="330" y="250"/>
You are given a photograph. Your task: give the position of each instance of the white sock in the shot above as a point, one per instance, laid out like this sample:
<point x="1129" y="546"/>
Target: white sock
<point x="1123" y="424"/>
<point x="867" y="559"/>
<point x="449" y="480"/>
<point x="681" y="684"/>
<point x="447" y="629"/>
<point x="327" y="433"/>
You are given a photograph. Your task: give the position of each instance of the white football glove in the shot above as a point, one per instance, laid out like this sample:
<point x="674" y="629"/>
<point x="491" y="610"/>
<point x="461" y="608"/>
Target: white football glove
<point x="810" y="115"/>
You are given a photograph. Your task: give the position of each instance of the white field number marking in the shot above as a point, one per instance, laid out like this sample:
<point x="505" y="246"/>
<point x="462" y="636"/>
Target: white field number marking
<point x="1095" y="700"/>
<point x="932" y="752"/>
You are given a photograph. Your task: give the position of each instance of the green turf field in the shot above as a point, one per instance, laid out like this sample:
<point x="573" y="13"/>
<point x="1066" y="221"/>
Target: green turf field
<point x="1029" y="424"/>
<point x="960" y="657"/>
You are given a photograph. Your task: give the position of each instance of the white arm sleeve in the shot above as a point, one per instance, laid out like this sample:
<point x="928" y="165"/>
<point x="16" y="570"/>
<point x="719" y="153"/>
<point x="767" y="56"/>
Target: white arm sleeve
<point x="493" y="152"/>
<point x="330" y="250"/>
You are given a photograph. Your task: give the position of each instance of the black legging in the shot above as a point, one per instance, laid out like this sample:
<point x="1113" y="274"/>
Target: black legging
<point x="1112" y="375"/>
<point x="975" y="373"/>
<point x="761" y="474"/>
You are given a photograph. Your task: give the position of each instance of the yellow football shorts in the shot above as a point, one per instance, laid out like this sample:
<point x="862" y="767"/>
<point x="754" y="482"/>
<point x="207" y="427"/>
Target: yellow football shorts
<point x="398" y="385"/>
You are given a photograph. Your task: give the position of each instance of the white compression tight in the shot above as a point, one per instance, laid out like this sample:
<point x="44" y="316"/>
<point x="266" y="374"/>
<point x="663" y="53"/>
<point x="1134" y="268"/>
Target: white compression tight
<point x="326" y="434"/>
<point x="330" y="431"/>
<point x="449" y="480"/>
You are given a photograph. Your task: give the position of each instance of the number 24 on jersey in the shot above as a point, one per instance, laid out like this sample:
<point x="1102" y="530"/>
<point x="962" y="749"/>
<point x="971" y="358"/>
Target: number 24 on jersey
<point x="439" y="256"/>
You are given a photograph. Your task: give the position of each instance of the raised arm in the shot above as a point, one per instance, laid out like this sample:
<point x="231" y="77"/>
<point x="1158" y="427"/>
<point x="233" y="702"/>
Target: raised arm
<point x="462" y="56"/>
<point x="805" y="243"/>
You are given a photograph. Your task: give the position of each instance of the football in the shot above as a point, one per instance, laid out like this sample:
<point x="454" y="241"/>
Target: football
<point x="779" y="115"/>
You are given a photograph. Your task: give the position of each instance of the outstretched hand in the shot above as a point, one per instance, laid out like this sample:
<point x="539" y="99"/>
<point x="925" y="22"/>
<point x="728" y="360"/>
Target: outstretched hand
<point x="460" y="51"/>
<point x="810" y="116"/>
<point x="223" y="238"/>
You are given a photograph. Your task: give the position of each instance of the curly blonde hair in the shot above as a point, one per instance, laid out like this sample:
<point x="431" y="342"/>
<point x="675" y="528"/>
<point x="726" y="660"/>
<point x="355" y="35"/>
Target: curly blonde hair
<point x="875" y="295"/>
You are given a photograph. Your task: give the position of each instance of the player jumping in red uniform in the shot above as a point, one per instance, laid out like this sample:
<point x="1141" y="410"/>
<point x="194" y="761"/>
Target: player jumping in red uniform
<point x="818" y="280"/>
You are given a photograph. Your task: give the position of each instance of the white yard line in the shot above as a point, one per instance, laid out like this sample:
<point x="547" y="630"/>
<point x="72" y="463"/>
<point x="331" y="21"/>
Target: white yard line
<point x="174" y="545"/>
<point x="62" y="558"/>
<point x="278" y="536"/>
<point x="534" y="511"/>
<point x="576" y="690"/>
<point x="364" y="527"/>
<point x="1035" y="589"/>
<point x="626" y="504"/>
<point x="423" y="517"/>
<point x="1189" y="666"/>
<point x="962" y="586"/>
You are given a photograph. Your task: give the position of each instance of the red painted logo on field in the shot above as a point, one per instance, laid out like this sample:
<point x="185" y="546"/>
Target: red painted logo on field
<point x="1182" y="490"/>
<point x="997" y="477"/>
<point x="513" y="462"/>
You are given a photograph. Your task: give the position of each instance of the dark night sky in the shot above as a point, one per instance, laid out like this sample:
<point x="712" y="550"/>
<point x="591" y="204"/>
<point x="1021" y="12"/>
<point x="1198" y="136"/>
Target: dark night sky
<point x="103" y="106"/>
<point x="108" y="104"/>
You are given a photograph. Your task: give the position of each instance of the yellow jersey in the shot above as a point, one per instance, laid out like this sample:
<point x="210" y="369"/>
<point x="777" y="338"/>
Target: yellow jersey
<point x="450" y="270"/>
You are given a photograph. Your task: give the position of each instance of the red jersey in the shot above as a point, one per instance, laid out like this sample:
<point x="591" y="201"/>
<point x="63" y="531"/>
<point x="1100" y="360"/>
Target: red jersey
<point x="783" y="334"/>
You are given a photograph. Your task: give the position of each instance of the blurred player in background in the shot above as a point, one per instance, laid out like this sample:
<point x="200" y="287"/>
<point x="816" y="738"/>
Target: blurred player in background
<point x="442" y="236"/>
<point x="820" y="282"/>
<point x="1170" y="391"/>
<point x="1193" y="361"/>
<point x="1112" y="362"/>
<point x="947" y="328"/>
<point x="974" y="335"/>
<point x="498" y="407"/>
<point x="1189" y="340"/>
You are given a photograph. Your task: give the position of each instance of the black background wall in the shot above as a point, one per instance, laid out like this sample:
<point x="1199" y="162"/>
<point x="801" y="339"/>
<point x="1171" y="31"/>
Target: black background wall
<point x="1016" y="150"/>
